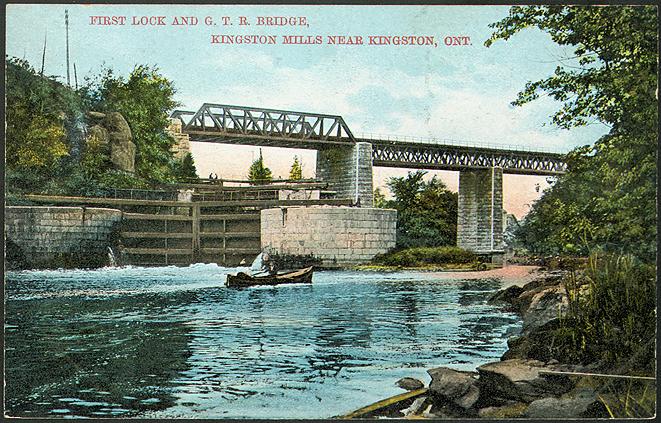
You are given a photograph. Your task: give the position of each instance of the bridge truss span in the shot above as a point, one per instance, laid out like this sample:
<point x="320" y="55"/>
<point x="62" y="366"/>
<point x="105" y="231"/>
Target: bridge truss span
<point x="259" y="126"/>
<point x="448" y="157"/>
<point x="227" y="124"/>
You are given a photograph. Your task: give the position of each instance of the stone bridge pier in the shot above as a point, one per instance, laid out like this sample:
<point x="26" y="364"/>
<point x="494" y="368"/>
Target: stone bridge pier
<point x="480" y="216"/>
<point x="348" y="171"/>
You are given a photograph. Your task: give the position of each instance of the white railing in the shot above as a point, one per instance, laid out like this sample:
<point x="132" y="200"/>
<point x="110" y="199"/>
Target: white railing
<point x="454" y="142"/>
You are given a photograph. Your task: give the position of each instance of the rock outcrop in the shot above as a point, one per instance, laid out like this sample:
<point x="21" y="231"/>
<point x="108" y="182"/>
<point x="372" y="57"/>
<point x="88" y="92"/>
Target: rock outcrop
<point x="525" y="383"/>
<point x="454" y="386"/>
<point x="110" y="135"/>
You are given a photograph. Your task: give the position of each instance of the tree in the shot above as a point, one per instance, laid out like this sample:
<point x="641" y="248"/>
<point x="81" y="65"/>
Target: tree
<point x="186" y="169"/>
<point x="426" y="211"/>
<point x="296" y="171"/>
<point x="258" y="173"/>
<point x="379" y="199"/>
<point x="144" y="99"/>
<point x="37" y="110"/>
<point x="607" y="198"/>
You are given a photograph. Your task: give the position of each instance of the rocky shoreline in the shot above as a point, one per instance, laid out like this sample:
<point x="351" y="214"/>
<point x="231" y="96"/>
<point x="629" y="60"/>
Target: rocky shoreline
<point x="525" y="383"/>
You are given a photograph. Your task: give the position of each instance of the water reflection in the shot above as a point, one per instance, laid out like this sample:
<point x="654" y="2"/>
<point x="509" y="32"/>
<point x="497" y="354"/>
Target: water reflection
<point x="172" y="342"/>
<point x="80" y="357"/>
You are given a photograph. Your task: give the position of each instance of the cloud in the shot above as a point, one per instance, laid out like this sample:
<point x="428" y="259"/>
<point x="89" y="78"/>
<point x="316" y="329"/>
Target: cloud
<point x="390" y="101"/>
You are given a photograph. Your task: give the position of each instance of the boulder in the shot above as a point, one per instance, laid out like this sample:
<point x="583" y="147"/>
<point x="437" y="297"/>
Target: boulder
<point x="123" y="156"/>
<point x="410" y="384"/>
<point x="547" y="278"/>
<point x="116" y="124"/>
<point x="546" y="305"/>
<point x="96" y="115"/>
<point x="457" y="387"/>
<point x="122" y="149"/>
<point x="536" y="344"/>
<point x="581" y="402"/>
<point x="518" y="380"/>
<point x="98" y="140"/>
<point x="507" y="295"/>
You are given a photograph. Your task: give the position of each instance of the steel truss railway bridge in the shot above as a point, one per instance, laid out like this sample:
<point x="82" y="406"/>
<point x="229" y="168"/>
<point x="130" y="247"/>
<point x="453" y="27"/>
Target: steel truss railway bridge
<point x="345" y="161"/>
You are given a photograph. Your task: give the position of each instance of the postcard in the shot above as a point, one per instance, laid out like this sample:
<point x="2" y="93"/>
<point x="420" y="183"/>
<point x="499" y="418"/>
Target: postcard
<point x="330" y="211"/>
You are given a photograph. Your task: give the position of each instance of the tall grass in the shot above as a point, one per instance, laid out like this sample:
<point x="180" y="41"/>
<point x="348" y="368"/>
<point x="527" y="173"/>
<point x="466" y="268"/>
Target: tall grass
<point x="611" y="317"/>
<point x="629" y="399"/>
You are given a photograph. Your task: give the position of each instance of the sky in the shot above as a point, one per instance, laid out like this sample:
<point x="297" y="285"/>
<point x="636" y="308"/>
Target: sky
<point x="460" y="93"/>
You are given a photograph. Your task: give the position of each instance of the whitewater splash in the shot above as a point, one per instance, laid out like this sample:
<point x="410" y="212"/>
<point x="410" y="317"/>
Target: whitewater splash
<point x="112" y="260"/>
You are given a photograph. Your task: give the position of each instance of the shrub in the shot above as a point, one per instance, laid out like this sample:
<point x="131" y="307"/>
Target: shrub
<point x="420" y="256"/>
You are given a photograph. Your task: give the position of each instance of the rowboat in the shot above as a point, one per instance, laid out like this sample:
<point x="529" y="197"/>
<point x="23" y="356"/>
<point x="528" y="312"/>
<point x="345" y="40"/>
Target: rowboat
<point x="243" y="279"/>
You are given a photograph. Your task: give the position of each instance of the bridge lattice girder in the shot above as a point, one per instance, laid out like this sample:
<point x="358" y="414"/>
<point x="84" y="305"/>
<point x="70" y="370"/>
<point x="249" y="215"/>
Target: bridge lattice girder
<point x="281" y="128"/>
<point x="447" y="157"/>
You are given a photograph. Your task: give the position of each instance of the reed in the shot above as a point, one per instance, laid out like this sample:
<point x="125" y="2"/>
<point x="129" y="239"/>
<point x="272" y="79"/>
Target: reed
<point x="611" y="314"/>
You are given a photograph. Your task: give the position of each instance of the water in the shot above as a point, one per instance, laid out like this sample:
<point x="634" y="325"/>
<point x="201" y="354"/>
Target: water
<point x="172" y="342"/>
<point x="112" y="260"/>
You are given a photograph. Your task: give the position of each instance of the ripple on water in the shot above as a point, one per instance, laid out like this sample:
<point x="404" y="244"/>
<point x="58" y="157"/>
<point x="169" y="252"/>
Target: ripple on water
<point x="173" y="342"/>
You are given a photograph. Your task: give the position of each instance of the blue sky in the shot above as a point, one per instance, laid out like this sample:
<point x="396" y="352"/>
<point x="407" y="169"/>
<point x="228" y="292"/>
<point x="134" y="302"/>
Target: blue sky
<point x="459" y="93"/>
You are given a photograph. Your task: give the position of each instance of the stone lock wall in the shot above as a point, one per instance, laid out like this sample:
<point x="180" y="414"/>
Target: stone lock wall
<point x="48" y="237"/>
<point x="336" y="235"/>
<point x="480" y="220"/>
<point x="343" y="167"/>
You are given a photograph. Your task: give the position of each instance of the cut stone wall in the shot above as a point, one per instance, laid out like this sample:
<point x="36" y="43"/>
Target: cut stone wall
<point x="336" y="235"/>
<point x="182" y="141"/>
<point x="338" y="166"/>
<point x="299" y="194"/>
<point x="50" y="237"/>
<point x="480" y="219"/>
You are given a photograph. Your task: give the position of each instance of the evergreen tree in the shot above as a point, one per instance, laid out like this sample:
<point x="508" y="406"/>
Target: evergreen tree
<point x="296" y="171"/>
<point x="186" y="168"/>
<point x="258" y="173"/>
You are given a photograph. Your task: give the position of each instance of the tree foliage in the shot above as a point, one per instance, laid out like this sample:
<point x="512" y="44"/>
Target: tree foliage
<point x="185" y="169"/>
<point x="144" y="99"/>
<point x="296" y="171"/>
<point x="46" y="127"/>
<point x="379" y="199"/>
<point x="258" y="172"/>
<point x="426" y="211"/>
<point x="36" y="113"/>
<point x="606" y="200"/>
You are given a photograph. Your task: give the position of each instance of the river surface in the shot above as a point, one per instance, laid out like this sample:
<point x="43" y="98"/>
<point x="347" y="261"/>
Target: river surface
<point x="173" y="342"/>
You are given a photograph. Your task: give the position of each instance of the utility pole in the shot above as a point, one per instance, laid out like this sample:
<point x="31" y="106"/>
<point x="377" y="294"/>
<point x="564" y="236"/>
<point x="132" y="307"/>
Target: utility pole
<point x="75" y="75"/>
<point x="43" y="56"/>
<point x="66" y="24"/>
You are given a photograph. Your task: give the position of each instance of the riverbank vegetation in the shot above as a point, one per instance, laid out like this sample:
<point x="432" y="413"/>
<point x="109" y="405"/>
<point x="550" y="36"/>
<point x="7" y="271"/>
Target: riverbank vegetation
<point x="422" y="257"/>
<point x="426" y="210"/>
<point x="426" y="225"/>
<point x="47" y="123"/>
<point x="605" y="205"/>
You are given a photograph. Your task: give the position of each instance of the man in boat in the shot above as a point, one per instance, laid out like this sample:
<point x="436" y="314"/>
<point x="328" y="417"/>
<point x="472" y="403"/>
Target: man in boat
<point x="263" y="265"/>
